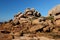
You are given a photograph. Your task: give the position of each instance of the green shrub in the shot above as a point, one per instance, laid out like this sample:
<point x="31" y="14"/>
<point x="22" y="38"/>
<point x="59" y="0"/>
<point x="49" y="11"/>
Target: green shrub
<point x="50" y="18"/>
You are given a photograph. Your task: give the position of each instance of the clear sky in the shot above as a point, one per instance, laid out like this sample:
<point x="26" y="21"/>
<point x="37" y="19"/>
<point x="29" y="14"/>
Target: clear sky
<point x="8" y="8"/>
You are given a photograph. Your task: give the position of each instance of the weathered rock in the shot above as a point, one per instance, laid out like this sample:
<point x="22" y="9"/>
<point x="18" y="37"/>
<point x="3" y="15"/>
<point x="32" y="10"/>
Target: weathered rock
<point x="37" y="14"/>
<point x="46" y="29"/>
<point x="5" y="36"/>
<point x="15" y="20"/>
<point x="48" y="25"/>
<point x="29" y="14"/>
<point x="39" y="20"/>
<point x="16" y="34"/>
<point x="32" y="9"/>
<point x="58" y="23"/>
<point x="56" y="13"/>
<point x="27" y="9"/>
<point x="36" y="21"/>
<point x="18" y="14"/>
<point x="36" y="27"/>
<point x="33" y="38"/>
<point x="30" y="23"/>
<point x="55" y="30"/>
<point x="23" y="20"/>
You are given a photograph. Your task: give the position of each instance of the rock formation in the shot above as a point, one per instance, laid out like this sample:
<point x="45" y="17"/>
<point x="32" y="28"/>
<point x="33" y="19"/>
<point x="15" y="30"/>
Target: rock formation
<point x="55" y="12"/>
<point x="31" y="24"/>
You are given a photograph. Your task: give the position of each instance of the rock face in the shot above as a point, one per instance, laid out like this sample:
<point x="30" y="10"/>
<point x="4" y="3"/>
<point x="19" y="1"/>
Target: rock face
<point x="55" y="12"/>
<point x="30" y="24"/>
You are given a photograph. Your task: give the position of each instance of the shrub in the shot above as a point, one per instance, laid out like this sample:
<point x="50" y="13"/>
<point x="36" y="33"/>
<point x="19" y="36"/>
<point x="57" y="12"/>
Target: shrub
<point x="50" y="18"/>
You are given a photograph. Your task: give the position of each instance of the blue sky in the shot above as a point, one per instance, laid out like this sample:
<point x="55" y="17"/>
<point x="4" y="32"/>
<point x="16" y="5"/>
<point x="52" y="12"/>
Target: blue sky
<point x="8" y="8"/>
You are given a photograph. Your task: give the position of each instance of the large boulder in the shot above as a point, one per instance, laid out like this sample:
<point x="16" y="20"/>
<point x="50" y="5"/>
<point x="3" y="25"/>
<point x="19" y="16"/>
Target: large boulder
<point x="37" y="14"/>
<point x="36" y="21"/>
<point x="32" y="9"/>
<point x="32" y="12"/>
<point x="58" y="23"/>
<point x="55" y="12"/>
<point x="15" y="20"/>
<point x="23" y="20"/>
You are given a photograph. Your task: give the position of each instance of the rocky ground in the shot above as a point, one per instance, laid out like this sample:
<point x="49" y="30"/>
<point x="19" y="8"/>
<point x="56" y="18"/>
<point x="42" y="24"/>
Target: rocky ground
<point x="31" y="25"/>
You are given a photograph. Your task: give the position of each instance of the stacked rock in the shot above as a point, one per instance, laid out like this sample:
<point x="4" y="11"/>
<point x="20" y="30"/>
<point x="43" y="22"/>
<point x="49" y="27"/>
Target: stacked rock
<point x="28" y="18"/>
<point x="29" y="13"/>
<point x="32" y="12"/>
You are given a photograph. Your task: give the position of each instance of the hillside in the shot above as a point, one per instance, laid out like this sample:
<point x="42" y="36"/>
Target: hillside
<point x="30" y="24"/>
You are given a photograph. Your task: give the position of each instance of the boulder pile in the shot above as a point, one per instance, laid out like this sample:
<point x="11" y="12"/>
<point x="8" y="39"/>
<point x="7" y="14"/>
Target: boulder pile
<point x="31" y="24"/>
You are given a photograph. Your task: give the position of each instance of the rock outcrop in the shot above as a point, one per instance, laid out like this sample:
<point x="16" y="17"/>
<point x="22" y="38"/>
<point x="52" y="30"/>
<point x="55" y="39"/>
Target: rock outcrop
<point x="31" y="24"/>
<point x="55" y="12"/>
